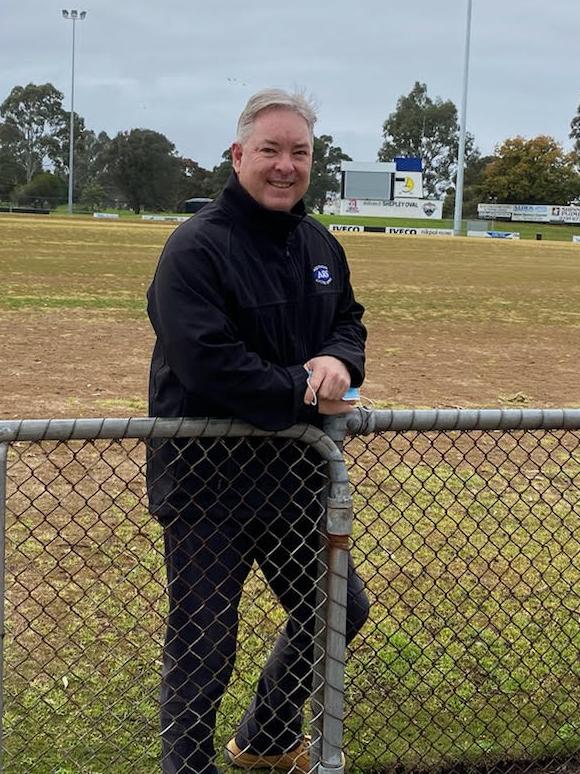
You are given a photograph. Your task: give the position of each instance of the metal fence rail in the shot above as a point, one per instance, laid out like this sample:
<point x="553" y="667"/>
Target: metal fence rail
<point x="466" y="533"/>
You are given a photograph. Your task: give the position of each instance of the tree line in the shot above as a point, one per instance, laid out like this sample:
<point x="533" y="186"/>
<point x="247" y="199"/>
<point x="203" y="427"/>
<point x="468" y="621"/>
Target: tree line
<point x="138" y="168"/>
<point x="522" y="170"/>
<point x="141" y="169"/>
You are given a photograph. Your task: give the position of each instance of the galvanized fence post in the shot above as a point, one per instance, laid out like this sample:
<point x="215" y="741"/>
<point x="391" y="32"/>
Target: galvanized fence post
<point x="331" y="644"/>
<point x="319" y="645"/>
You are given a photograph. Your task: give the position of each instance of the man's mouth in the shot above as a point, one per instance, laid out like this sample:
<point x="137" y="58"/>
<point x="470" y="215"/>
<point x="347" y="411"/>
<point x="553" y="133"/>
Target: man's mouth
<point x="281" y="183"/>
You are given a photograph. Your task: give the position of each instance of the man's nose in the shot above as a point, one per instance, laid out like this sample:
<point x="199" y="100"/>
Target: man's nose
<point x="285" y="164"/>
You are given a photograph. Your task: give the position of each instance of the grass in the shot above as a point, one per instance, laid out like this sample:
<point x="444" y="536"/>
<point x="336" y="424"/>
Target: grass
<point x="470" y="550"/>
<point x="78" y="211"/>
<point x="473" y="651"/>
<point x="549" y="231"/>
<point x="559" y="232"/>
<point x="94" y="265"/>
<point x="50" y="263"/>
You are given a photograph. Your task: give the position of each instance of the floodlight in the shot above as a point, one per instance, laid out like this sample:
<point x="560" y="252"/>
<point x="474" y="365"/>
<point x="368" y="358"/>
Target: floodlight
<point x="73" y="15"/>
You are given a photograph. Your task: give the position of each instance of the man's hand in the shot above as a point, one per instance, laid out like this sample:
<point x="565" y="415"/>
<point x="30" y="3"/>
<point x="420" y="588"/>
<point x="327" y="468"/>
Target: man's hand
<point x="332" y="407"/>
<point x="329" y="379"/>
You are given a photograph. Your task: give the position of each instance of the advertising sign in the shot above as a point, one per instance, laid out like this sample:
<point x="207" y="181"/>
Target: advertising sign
<point x="534" y="213"/>
<point x="425" y="209"/>
<point x="391" y="230"/>
<point x="166" y="218"/>
<point x="419" y="231"/>
<point x="565" y="214"/>
<point x="494" y="211"/>
<point x="495" y="234"/>
<point x="408" y="185"/>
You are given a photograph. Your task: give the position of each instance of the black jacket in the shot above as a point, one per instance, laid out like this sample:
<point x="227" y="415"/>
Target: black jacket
<point x="241" y="299"/>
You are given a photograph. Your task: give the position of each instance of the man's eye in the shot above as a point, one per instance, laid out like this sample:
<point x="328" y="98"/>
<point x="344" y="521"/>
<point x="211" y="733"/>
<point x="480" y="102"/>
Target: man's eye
<point x="300" y="153"/>
<point x="268" y="151"/>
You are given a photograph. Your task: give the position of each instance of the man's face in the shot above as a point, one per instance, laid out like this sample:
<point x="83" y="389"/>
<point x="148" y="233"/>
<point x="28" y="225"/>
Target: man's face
<point x="273" y="164"/>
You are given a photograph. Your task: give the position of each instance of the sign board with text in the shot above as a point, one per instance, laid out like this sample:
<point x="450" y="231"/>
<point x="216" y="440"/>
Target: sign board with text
<point x="494" y="234"/>
<point x="532" y="213"/>
<point x="409" y="231"/>
<point x="424" y="209"/>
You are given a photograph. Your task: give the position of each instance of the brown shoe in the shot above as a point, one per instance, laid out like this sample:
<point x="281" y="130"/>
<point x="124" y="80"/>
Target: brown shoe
<point x="296" y="761"/>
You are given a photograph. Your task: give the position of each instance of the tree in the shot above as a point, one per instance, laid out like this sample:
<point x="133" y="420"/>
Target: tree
<point x="12" y="168"/>
<point x="94" y="187"/>
<point x="58" y="148"/>
<point x="534" y="171"/>
<point x="324" y="178"/>
<point x="429" y="130"/>
<point x="194" y="181"/>
<point x="220" y="174"/>
<point x="46" y="189"/>
<point x="575" y="133"/>
<point x="472" y="187"/>
<point x="94" y="196"/>
<point x="143" y="165"/>
<point x="33" y="114"/>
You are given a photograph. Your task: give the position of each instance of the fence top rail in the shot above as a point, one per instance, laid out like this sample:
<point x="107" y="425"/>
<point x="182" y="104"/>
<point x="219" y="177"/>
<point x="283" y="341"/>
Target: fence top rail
<point x="163" y="427"/>
<point x="361" y="421"/>
<point x="149" y="427"/>
<point x="365" y="422"/>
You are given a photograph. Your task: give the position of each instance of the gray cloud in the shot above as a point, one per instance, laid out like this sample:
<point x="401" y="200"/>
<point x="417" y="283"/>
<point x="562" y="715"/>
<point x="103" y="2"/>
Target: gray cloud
<point x="187" y="68"/>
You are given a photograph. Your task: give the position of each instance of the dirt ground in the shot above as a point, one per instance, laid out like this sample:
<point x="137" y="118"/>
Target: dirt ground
<point x="81" y="364"/>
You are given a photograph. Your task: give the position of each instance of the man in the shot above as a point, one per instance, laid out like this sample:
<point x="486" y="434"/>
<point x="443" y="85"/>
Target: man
<point x="255" y="319"/>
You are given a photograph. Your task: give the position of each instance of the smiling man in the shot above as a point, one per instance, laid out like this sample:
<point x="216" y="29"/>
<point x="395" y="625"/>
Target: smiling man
<point x="273" y="158"/>
<point x="255" y="319"/>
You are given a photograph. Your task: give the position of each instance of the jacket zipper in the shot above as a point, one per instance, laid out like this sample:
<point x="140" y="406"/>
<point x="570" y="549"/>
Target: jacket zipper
<point x="302" y="315"/>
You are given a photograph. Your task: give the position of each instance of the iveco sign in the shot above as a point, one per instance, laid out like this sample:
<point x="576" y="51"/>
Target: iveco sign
<point x="392" y="230"/>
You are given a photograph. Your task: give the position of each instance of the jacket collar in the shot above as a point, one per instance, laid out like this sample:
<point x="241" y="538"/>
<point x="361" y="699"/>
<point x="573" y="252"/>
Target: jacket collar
<point x="281" y="224"/>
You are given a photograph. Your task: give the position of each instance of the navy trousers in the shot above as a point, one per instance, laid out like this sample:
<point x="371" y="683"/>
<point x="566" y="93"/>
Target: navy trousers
<point x="207" y="564"/>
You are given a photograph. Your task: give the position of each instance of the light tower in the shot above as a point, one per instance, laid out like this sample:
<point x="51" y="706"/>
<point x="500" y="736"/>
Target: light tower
<point x="73" y="16"/>
<point x="462" y="130"/>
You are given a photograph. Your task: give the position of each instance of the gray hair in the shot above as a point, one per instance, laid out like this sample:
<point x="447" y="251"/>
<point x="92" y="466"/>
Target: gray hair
<point x="272" y="99"/>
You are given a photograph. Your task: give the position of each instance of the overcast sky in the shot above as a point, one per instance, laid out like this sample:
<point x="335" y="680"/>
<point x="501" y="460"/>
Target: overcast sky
<point x="187" y="67"/>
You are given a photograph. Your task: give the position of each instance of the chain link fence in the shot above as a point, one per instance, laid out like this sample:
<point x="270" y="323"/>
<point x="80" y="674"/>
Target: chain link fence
<point x="86" y="592"/>
<point x="466" y="534"/>
<point x="469" y="544"/>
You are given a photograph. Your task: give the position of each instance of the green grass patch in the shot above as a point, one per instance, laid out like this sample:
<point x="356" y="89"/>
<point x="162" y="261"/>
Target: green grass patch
<point x="469" y="547"/>
<point x="557" y="232"/>
<point x="550" y="231"/>
<point x="471" y="654"/>
<point x="60" y="264"/>
<point x="15" y="303"/>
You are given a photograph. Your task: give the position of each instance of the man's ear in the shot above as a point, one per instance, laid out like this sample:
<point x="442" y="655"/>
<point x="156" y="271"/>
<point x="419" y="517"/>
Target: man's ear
<point x="236" y="156"/>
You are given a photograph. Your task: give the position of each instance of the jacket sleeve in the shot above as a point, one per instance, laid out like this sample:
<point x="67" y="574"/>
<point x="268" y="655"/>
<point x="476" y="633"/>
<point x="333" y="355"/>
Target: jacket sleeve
<point x="347" y="339"/>
<point x="187" y="305"/>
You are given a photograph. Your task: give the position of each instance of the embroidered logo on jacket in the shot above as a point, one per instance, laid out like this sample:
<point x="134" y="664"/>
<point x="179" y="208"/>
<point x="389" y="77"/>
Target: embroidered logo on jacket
<point x="322" y="275"/>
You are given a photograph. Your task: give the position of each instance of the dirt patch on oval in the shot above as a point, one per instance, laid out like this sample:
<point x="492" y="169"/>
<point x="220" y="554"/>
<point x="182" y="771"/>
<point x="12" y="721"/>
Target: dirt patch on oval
<point x="77" y="363"/>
